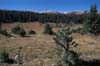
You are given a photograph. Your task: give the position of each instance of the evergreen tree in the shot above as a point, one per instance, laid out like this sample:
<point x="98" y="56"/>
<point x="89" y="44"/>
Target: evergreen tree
<point x="92" y="22"/>
<point x="65" y="55"/>
<point x="48" y="29"/>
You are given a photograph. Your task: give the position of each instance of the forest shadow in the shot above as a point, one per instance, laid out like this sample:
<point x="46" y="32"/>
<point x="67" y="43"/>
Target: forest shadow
<point x="93" y="62"/>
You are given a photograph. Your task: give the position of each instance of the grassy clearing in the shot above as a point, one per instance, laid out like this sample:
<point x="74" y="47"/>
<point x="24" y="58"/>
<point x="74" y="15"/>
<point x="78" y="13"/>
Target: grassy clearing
<point x="39" y="49"/>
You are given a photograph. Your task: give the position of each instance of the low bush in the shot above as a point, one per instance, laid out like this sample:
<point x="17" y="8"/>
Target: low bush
<point x="19" y="30"/>
<point x="32" y="32"/>
<point x="22" y="33"/>
<point x="4" y="56"/>
<point x="5" y="33"/>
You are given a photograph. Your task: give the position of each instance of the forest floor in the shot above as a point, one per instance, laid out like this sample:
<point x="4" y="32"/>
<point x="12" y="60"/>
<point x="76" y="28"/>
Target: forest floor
<point x="39" y="49"/>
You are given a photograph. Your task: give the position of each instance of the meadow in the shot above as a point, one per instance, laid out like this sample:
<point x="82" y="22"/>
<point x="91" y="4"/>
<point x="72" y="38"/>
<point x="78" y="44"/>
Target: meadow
<point x="39" y="49"/>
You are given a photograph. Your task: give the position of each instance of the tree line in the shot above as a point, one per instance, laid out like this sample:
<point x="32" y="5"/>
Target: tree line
<point x="11" y="16"/>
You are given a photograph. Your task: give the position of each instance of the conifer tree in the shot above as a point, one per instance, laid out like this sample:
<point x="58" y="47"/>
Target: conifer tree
<point x="65" y="55"/>
<point x="93" y="21"/>
<point x="48" y="29"/>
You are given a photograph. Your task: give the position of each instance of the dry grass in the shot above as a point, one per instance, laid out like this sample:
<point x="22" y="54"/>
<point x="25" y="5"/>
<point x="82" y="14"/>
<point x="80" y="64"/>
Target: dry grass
<point x="39" y="50"/>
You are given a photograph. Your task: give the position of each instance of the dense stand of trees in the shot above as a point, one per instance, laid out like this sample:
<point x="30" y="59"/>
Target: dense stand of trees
<point x="17" y="16"/>
<point x="26" y="16"/>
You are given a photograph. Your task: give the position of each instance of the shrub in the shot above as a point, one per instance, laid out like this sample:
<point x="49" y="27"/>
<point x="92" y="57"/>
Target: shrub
<point x="19" y="30"/>
<point x="4" y="56"/>
<point x="32" y="32"/>
<point x="5" y="33"/>
<point x="48" y="29"/>
<point x="22" y="33"/>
